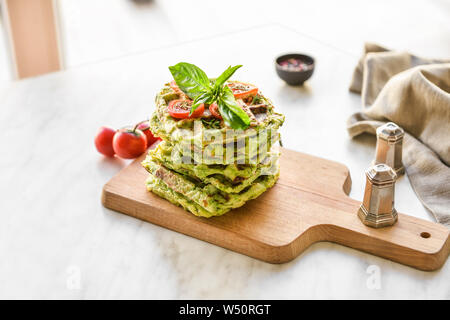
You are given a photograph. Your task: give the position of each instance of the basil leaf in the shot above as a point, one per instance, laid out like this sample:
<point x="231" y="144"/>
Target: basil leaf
<point x="231" y="112"/>
<point x="230" y="119"/>
<point x="190" y="79"/>
<point x="197" y="86"/>
<point x="225" y="76"/>
<point x="201" y="98"/>
<point x="228" y="98"/>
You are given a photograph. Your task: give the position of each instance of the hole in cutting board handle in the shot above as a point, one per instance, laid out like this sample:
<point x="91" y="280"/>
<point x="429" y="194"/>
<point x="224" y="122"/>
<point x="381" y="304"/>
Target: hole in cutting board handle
<point x="425" y="235"/>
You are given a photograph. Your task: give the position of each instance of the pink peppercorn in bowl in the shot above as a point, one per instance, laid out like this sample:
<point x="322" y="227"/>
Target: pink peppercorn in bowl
<point x="294" y="68"/>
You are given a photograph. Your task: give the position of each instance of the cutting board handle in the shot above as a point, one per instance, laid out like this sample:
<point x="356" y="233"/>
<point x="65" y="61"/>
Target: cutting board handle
<point x="411" y="241"/>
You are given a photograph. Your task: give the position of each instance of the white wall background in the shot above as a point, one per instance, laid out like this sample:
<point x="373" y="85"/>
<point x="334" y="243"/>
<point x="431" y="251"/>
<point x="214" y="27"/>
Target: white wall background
<point x="94" y="30"/>
<point x="99" y="29"/>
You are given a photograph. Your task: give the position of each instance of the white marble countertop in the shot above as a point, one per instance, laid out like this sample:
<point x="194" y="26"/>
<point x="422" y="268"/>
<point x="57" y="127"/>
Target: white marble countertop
<point x="57" y="241"/>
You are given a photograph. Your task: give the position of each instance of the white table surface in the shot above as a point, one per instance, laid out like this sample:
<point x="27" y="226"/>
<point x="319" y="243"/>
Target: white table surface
<point x="57" y="241"/>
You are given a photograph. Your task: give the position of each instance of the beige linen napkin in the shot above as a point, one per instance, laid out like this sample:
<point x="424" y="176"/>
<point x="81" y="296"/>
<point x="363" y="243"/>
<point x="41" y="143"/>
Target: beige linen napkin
<point x="414" y="93"/>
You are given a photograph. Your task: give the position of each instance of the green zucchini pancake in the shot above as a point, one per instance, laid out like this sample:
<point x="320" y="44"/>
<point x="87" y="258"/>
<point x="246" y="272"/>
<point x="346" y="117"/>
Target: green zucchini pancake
<point x="218" y="142"/>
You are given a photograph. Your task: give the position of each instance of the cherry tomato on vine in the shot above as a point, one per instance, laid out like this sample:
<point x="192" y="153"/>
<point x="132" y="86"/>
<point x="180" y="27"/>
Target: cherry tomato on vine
<point x="104" y="141"/>
<point x="129" y="143"/>
<point x="145" y="128"/>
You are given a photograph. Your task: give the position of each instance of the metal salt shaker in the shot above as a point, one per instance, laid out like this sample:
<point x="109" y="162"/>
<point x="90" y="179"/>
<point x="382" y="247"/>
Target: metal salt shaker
<point x="389" y="146"/>
<point x="377" y="209"/>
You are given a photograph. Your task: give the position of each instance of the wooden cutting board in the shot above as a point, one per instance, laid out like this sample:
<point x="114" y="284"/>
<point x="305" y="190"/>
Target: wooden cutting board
<point x="309" y="203"/>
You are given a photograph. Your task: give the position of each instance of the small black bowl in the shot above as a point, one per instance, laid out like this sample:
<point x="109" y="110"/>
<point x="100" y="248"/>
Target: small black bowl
<point x="294" y="77"/>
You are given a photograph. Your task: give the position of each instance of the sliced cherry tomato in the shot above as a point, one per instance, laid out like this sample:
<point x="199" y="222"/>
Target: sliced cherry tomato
<point x="242" y="90"/>
<point x="180" y="109"/>
<point x="214" y="109"/>
<point x="174" y="86"/>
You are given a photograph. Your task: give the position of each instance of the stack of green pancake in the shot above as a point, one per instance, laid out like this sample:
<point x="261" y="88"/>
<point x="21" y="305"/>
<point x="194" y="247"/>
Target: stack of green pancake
<point x="206" y="167"/>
